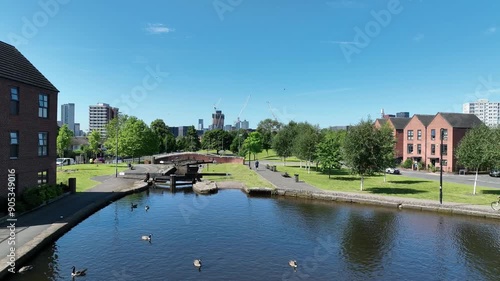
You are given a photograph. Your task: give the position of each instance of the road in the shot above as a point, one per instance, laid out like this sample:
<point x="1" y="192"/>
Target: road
<point x="482" y="180"/>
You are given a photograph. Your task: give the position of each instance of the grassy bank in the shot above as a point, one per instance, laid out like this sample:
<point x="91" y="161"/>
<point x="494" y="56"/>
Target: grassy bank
<point x="84" y="172"/>
<point x="238" y="173"/>
<point x="396" y="185"/>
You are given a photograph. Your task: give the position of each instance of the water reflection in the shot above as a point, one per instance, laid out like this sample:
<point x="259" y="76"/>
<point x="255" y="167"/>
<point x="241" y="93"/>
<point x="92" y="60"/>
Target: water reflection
<point x="367" y="239"/>
<point x="246" y="238"/>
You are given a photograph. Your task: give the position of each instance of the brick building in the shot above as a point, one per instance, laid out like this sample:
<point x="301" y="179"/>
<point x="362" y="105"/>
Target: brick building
<point x="28" y="123"/>
<point x="397" y="124"/>
<point x="415" y="136"/>
<point x="454" y="126"/>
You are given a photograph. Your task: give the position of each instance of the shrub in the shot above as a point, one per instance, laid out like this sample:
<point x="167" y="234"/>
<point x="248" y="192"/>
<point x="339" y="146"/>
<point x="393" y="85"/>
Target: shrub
<point x="407" y="164"/>
<point x="33" y="197"/>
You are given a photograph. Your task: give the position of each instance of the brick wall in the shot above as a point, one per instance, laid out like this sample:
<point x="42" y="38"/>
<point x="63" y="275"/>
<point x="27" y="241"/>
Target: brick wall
<point x="199" y="157"/>
<point x="28" y="124"/>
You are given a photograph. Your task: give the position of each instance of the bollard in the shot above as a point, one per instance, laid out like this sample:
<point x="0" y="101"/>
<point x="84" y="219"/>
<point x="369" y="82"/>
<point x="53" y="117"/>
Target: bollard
<point x="72" y="185"/>
<point x="296" y="176"/>
<point x="172" y="182"/>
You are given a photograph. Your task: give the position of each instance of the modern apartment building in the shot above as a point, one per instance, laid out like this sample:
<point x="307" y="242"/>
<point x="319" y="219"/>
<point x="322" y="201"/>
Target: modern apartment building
<point x="245" y="125"/>
<point x="28" y="123"/>
<point x="423" y="138"/>
<point x="488" y="112"/>
<point x="99" y="117"/>
<point x="68" y="116"/>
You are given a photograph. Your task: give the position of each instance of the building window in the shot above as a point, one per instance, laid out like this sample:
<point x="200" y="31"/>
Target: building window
<point x="14" y="145"/>
<point x="14" y="101"/>
<point x="445" y="149"/>
<point x="433" y="134"/>
<point x="43" y="106"/>
<point x="445" y="134"/>
<point x="419" y="149"/>
<point x="42" y="144"/>
<point x="43" y="177"/>
<point x="410" y="134"/>
<point x="409" y="148"/>
<point x="433" y="149"/>
<point x="419" y="134"/>
<point x="444" y="163"/>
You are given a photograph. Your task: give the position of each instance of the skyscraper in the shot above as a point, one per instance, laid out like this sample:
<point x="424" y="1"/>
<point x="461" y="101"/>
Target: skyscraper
<point x="68" y="116"/>
<point x="488" y="112"/>
<point x="217" y="120"/>
<point x="99" y="117"/>
<point x="200" y="124"/>
<point x="245" y="125"/>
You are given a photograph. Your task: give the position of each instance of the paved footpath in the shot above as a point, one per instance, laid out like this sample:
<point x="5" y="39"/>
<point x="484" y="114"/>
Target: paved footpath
<point x="302" y="189"/>
<point x="33" y="229"/>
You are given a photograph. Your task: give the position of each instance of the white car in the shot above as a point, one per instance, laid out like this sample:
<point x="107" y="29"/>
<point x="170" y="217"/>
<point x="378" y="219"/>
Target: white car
<point x="392" y="171"/>
<point x="65" y="161"/>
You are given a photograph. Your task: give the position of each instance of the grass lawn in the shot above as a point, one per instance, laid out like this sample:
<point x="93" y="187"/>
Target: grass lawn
<point x="240" y="173"/>
<point x="84" y="172"/>
<point x="396" y="185"/>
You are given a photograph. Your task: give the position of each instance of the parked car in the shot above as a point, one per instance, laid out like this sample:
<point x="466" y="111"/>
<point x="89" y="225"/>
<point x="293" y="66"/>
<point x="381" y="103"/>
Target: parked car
<point x="392" y="171"/>
<point x="495" y="173"/>
<point x="65" y="161"/>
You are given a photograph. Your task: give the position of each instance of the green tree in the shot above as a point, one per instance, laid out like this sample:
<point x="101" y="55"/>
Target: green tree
<point x="135" y="138"/>
<point x="238" y="140"/>
<point x="217" y="139"/>
<point x="364" y="150"/>
<point x="170" y="142"/>
<point x="253" y="143"/>
<point x="63" y="139"/>
<point x="160" y="130"/>
<point x="283" y="141"/>
<point x="268" y="128"/>
<point x="329" y="151"/>
<point x="94" y="142"/>
<point x="192" y="140"/>
<point x="305" y="142"/>
<point x="477" y="149"/>
<point x="387" y="141"/>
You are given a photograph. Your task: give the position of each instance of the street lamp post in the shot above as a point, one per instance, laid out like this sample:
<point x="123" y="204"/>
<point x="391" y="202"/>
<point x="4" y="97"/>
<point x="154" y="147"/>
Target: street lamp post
<point x="116" y="158"/>
<point x="441" y="168"/>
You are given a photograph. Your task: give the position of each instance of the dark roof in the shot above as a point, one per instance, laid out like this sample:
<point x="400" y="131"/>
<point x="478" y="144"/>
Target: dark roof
<point x="461" y="120"/>
<point x="15" y="66"/>
<point x="425" y="119"/>
<point x="399" y="123"/>
<point x="381" y="121"/>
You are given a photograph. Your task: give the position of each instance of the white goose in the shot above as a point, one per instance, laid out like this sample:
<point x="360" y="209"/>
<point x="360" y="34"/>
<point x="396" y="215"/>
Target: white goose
<point x="293" y="264"/>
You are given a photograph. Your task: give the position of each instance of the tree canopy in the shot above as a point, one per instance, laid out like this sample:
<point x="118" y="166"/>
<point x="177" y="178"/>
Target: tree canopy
<point x="63" y="139"/>
<point x="329" y="151"/>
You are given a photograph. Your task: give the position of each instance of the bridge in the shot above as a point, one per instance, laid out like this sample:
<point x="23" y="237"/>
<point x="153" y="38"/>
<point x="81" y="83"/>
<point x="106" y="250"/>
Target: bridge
<point x="185" y="158"/>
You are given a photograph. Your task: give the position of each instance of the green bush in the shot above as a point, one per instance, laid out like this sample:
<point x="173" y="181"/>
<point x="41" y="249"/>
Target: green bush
<point x="433" y="168"/>
<point x="33" y="197"/>
<point x="407" y="164"/>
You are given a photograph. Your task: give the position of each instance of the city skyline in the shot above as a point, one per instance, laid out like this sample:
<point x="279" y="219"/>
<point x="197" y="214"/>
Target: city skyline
<point x="328" y="63"/>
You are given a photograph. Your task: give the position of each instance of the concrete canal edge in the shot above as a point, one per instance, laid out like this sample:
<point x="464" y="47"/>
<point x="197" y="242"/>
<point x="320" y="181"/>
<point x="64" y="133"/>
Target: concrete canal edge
<point x="58" y="229"/>
<point x="393" y="202"/>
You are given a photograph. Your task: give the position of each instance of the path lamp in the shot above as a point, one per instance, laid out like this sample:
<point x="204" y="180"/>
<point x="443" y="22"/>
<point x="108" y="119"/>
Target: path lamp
<point x="441" y="133"/>
<point x="116" y="158"/>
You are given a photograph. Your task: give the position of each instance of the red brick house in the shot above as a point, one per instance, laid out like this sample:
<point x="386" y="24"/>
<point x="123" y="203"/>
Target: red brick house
<point x="454" y="126"/>
<point x="415" y="136"/>
<point x="397" y="124"/>
<point x="28" y="123"/>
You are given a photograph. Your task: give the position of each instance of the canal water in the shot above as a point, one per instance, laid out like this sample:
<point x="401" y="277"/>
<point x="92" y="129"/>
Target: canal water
<point x="251" y="238"/>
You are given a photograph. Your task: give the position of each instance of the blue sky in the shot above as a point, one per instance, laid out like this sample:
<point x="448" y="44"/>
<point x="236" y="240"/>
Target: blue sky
<point x="325" y="62"/>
